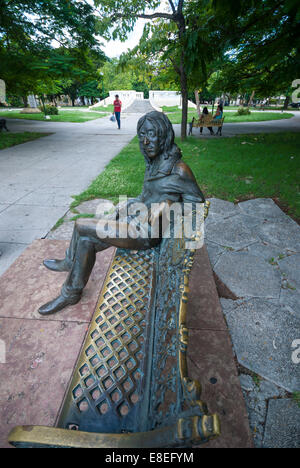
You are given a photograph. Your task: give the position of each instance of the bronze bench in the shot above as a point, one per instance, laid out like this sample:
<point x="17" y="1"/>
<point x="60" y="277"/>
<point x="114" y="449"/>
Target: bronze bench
<point x="130" y="386"/>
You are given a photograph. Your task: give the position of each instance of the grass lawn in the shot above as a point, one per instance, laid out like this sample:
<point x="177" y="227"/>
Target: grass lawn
<point x="234" y="169"/>
<point x="175" y="117"/>
<point x="63" y="116"/>
<point x="12" y="139"/>
<point x="230" y="108"/>
<point x="109" y="108"/>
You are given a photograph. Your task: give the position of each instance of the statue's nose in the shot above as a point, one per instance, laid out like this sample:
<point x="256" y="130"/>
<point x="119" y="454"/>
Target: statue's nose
<point x="146" y="141"/>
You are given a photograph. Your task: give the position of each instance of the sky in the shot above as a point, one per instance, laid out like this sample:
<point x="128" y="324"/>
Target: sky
<point x="116" y="48"/>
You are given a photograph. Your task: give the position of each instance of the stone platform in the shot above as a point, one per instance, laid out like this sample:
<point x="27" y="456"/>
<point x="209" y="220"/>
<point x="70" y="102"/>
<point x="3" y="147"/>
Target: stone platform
<point x="41" y="352"/>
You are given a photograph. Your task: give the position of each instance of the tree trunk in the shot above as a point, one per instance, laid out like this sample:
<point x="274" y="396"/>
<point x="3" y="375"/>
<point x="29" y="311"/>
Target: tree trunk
<point x="43" y="103"/>
<point x="184" y="97"/>
<point x="25" y="101"/>
<point x="286" y="102"/>
<point x="197" y="102"/>
<point x="251" y="98"/>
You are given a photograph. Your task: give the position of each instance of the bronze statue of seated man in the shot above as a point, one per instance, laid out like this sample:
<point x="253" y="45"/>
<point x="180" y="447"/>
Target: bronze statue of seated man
<point x="167" y="180"/>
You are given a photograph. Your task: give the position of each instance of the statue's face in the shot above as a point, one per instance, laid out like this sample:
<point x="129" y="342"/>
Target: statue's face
<point x="150" y="141"/>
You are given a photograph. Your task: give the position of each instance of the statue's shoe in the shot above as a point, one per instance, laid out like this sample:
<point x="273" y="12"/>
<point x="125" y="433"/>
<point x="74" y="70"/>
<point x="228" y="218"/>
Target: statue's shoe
<point x="58" y="265"/>
<point x="58" y="304"/>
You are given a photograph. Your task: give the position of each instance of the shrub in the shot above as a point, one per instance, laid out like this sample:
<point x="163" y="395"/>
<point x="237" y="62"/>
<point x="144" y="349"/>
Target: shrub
<point x="49" y="110"/>
<point x="243" y="111"/>
<point x="14" y="101"/>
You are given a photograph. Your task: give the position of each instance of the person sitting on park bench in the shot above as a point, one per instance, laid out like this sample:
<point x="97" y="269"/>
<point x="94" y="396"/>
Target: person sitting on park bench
<point x="167" y="180"/>
<point x="205" y="115"/>
<point x="218" y="116"/>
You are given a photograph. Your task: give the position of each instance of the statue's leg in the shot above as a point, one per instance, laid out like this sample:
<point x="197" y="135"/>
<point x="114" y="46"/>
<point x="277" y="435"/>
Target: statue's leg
<point x="118" y="234"/>
<point x="67" y="262"/>
<point x="82" y="266"/>
<point x="89" y="237"/>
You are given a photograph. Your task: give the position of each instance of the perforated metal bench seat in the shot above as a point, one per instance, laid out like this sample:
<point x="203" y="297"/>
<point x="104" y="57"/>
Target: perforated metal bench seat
<point x="130" y="387"/>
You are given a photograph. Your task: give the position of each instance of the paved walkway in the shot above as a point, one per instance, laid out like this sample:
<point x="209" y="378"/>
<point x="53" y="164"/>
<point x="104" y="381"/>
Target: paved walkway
<point x="254" y="249"/>
<point x="140" y="106"/>
<point x="39" y="177"/>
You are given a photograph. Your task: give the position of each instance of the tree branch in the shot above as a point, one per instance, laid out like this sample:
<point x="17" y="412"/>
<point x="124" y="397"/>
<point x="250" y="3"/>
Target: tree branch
<point x="176" y="68"/>
<point x="147" y="16"/>
<point x="172" y="6"/>
<point x="180" y="7"/>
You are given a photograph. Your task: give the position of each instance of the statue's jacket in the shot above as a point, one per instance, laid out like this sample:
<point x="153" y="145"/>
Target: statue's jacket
<point x="166" y="180"/>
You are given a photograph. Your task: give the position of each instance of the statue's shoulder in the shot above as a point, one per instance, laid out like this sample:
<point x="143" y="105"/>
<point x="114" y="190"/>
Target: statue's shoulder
<point x="183" y="170"/>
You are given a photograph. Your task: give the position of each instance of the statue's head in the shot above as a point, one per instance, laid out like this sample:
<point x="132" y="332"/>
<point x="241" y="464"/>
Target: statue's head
<point x="156" y="136"/>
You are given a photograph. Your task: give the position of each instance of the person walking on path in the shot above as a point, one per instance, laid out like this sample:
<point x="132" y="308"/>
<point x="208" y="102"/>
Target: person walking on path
<point x="117" y="110"/>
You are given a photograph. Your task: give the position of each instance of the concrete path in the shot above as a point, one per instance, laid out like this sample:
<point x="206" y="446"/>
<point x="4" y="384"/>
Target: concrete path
<point x="140" y="106"/>
<point x="254" y="249"/>
<point x="39" y="177"/>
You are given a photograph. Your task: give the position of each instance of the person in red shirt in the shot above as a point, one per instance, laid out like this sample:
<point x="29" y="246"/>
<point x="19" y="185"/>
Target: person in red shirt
<point x="117" y="110"/>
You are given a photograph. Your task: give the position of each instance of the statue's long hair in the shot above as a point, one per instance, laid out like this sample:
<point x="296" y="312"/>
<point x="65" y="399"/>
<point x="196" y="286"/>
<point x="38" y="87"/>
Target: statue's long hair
<point x="165" y="131"/>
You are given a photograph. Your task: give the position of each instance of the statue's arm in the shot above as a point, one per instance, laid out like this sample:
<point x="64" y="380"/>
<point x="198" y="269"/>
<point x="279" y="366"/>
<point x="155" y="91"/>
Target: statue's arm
<point x="187" y="184"/>
<point x="126" y="204"/>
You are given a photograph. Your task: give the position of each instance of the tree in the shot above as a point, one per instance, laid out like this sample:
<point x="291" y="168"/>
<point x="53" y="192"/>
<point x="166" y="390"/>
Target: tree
<point x="182" y="34"/>
<point x="125" y="21"/>
<point x="264" y="48"/>
<point x="28" y="29"/>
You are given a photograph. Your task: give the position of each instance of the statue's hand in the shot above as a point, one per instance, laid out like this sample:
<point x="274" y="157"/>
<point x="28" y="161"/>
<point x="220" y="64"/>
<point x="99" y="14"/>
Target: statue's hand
<point x="158" y="211"/>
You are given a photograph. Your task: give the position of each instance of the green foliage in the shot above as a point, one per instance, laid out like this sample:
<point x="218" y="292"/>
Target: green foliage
<point x="256" y="379"/>
<point x="28" y="31"/>
<point x="263" y="47"/>
<point x="125" y="73"/>
<point x="243" y="111"/>
<point x="49" y="110"/>
<point x="296" y="398"/>
<point x="90" y="89"/>
<point x="35" y="23"/>
<point x="14" y="101"/>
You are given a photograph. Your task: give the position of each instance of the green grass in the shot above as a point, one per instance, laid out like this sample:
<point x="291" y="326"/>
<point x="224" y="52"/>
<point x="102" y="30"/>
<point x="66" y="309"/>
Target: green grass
<point x="231" y="108"/>
<point x="175" y="117"/>
<point x="108" y="108"/>
<point x="12" y="139"/>
<point x="296" y="398"/>
<point x="234" y="169"/>
<point x="63" y="116"/>
<point x="82" y="215"/>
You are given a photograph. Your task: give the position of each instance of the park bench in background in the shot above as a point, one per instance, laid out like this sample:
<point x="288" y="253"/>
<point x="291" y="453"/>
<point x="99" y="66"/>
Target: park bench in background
<point x="206" y="121"/>
<point x="130" y="387"/>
